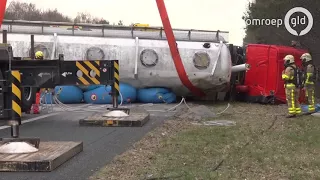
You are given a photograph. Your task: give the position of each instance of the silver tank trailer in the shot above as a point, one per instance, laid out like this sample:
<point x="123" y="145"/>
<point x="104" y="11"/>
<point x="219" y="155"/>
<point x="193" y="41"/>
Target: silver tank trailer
<point x="144" y="55"/>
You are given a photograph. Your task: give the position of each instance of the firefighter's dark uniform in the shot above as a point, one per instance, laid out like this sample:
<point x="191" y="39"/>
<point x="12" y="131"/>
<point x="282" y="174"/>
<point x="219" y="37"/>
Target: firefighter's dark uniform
<point x="291" y="89"/>
<point x="309" y="83"/>
<point x="39" y="56"/>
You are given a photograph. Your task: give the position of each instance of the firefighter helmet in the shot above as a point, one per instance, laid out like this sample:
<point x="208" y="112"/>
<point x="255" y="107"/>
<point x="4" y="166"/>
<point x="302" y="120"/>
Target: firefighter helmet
<point x="289" y="59"/>
<point x="39" y="55"/>
<point x="306" y="57"/>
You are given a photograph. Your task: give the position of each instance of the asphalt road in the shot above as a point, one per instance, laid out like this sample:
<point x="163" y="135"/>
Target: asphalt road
<point x="101" y="144"/>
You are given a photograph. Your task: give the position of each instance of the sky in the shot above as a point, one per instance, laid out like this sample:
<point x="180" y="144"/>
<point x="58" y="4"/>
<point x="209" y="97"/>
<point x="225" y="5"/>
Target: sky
<point x="223" y="15"/>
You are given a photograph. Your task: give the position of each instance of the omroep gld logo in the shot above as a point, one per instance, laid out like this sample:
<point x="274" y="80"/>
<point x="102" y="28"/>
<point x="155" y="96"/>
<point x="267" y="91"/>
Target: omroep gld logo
<point x="294" y="21"/>
<point x="288" y="21"/>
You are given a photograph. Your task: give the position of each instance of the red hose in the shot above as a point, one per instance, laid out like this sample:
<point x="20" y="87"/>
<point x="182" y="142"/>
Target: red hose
<point x="174" y="50"/>
<point x="2" y="10"/>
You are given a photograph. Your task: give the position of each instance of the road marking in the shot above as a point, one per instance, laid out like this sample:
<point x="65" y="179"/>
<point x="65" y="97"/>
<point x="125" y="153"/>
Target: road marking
<point x="41" y="117"/>
<point x="32" y="119"/>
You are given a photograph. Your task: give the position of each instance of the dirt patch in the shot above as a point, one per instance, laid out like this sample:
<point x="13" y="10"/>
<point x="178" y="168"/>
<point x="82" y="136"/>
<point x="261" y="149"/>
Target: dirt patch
<point x="262" y="145"/>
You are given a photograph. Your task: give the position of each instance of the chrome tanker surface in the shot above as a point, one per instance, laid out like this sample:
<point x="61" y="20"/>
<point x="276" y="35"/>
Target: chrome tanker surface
<point x="144" y="62"/>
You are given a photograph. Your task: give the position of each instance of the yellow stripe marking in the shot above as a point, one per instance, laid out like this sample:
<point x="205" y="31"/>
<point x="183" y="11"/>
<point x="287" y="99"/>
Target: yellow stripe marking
<point x="16" y="108"/>
<point x="92" y="67"/>
<point x="84" y="81"/>
<point x="117" y="87"/>
<point x="16" y="91"/>
<point x="116" y="66"/>
<point x="293" y="100"/>
<point x="97" y="62"/>
<point x="312" y="97"/>
<point x="116" y="76"/>
<point x="86" y="73"/>
<point x="16" y="74"/>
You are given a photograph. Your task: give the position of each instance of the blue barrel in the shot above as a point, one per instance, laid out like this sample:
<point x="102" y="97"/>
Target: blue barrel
<point x="304" y="108"/>
<point x="89" y="88"/>
<point x="67" y="95"/>
<point x="317" y="107"/>
<point x="156" y="95"/>
<point x="101" y="95"/>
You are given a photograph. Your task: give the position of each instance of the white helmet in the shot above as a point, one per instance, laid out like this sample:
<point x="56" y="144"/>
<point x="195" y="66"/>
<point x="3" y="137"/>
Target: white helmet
<point x="306" y="57"/>
<point x="289" y="59"/>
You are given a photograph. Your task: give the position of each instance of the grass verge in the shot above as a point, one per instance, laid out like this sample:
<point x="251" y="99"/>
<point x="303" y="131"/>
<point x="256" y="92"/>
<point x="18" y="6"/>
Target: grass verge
<point x="262" y="145"/>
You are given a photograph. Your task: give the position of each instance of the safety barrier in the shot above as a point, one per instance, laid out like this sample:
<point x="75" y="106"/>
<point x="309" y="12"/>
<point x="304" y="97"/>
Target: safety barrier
<point x="104" y="30"/>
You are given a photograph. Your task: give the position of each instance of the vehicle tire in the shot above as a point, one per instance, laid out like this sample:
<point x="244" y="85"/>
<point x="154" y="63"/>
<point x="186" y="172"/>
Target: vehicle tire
<point x="28" y="98"/>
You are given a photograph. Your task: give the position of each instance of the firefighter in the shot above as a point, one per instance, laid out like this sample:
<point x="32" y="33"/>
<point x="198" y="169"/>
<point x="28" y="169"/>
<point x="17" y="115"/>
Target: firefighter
<point x="39" y="55"/>
<point x="291" y="86"/>
<point x="309" y="81"/>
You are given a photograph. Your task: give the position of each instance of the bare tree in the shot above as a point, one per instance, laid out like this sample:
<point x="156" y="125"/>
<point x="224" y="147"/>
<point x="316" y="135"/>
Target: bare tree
<point x="54" y="15"/>
<point x="100" y="21"/>
<point x="120" y="23"/>
<point x="84" y="17"/>
<point x="28" y="11"/>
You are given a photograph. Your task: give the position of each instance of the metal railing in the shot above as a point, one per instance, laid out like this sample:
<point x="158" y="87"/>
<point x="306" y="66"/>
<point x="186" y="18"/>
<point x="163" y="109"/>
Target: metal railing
<point x="105" y="30"/>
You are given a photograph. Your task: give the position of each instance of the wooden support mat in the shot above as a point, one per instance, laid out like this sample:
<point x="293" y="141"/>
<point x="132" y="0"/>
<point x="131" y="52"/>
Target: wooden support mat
<point x="50" y="156"/>
<point x="133" y="120"/>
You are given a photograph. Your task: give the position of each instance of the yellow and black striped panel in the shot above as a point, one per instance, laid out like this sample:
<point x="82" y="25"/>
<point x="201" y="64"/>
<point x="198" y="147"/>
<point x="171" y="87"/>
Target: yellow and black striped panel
<point x="85" y="67"/>
<point x="16" y="95"/>
<point x="116" y="76"/>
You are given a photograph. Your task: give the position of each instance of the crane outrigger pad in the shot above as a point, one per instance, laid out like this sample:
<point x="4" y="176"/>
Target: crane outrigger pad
<point x="135" y="118"/>
<point x="51" y="155"/>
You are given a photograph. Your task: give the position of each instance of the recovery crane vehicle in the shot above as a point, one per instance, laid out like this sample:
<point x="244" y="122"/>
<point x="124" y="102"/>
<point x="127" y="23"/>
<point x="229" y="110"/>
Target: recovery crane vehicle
<point x="17" y="73"/>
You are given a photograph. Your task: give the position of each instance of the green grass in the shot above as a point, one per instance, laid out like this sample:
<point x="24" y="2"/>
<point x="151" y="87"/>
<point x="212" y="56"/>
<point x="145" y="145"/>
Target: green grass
<point x="290" y="149"/>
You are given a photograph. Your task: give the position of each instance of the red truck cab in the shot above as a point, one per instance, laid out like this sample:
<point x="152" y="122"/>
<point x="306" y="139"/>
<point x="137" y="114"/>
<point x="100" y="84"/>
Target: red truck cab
<point x="263" y="80"/>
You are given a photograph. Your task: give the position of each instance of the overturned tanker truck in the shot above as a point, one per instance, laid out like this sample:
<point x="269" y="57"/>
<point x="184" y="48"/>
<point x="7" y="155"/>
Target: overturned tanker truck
<point x="143" y="53"/>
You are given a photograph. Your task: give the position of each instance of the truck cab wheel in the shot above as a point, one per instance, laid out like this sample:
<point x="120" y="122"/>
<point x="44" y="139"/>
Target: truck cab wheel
<point x="28" y="98"/>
